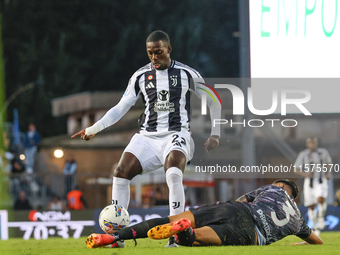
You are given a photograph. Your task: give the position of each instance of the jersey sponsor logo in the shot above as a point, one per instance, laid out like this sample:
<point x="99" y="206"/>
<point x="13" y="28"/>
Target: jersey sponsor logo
<point x="173" y="80"/>
<point x="163" y="95"/>
<point x="265" y="223"/>
<point x="164" y="105"/>
<point x="149" y="85"/>
<point x="150" y="77"/>
<point x="176" y="205"/>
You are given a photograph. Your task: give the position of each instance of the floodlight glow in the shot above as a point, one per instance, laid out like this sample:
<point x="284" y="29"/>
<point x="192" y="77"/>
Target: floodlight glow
<point x="58" y="153"/>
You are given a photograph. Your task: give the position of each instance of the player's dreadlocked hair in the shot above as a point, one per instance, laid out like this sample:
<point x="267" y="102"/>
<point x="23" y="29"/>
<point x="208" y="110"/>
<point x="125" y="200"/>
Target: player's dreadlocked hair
<point x="291" y="184"/>
<point x="158" y="35"/>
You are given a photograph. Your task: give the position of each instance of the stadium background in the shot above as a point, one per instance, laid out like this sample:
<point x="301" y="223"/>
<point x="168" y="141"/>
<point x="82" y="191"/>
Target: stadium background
<point x="67" y="62"/>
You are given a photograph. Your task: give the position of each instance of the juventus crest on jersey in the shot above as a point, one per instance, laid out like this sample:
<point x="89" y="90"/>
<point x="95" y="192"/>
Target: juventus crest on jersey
<point x="166" y="96"/>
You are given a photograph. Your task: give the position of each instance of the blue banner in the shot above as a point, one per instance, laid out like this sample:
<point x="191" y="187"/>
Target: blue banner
<point x="332" y="218"/>
<point x="16" y="130"/>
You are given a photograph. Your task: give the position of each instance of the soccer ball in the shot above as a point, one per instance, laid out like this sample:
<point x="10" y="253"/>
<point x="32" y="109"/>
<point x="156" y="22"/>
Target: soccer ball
<point x="113" y="218"/>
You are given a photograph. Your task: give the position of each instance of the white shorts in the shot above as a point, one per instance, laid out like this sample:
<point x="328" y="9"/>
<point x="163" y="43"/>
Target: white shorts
<point x="151" y="151"/>
<point x="319" y="190"/>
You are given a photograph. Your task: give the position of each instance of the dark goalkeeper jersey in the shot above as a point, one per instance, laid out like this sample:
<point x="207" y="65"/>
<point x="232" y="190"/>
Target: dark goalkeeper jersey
<point x="275" y="213"/>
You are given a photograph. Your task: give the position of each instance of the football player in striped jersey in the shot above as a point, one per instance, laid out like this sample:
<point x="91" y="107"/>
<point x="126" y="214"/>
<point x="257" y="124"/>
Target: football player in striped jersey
<point x="164" y="139"/>
<point x="314" y="164"/>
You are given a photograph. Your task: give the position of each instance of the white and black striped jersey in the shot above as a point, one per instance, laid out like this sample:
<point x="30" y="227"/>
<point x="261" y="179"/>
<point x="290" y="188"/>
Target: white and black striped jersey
<point x="166" y="96"/>
<point x="314" y="161"/>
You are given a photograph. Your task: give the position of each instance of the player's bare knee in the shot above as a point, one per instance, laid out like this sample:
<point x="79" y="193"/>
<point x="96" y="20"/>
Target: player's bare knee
<point x="120" y="172"/>
<point x="127" y="171"/>
<point x="175" y="159"/>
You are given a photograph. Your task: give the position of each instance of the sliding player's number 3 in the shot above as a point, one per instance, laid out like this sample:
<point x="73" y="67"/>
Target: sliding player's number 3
<point x="289" y="212"/>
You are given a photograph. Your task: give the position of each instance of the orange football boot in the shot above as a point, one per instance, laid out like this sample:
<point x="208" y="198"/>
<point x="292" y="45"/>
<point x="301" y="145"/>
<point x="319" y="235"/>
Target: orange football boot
<point x="167" y="230"/>
<point x="99" y="240"/>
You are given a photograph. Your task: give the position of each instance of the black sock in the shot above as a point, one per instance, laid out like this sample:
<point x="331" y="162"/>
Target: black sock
<point x="140" y="230"/>
<point x="157" y="221"/>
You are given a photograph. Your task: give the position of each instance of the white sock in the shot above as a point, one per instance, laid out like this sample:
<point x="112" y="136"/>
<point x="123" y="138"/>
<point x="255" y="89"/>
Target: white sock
<point x="174" y="180"/>
<point x="312" y="215"/>
<point x="322" y="209"/>
<point x="121" y="192"/>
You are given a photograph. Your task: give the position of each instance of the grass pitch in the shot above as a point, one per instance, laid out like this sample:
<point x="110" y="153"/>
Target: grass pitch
<point x="54" y="246"/>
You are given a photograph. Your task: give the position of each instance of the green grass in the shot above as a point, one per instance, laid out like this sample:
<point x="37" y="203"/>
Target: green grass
<point x="54" y="246"/>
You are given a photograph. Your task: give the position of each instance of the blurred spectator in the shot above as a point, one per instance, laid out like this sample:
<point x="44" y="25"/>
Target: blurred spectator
<point x="160" y="197"/>
<point x="22" y="202"/>
<point x="133" y="202"/>
<point x="69" y="171"/>
<point x="18" y="182"/>
<point x="146" y="202"/>
<point x="75" y="200"/>
<point x="56" y="204"/>
<point x="18" y="166"/>
<point x="32" y="140"/>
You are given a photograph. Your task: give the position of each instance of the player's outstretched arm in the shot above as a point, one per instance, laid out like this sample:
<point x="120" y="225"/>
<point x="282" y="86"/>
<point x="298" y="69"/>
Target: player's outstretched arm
<point x="212" y="142"/>
<point x="111" y="117"/>
<point x="311" y="239"/>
